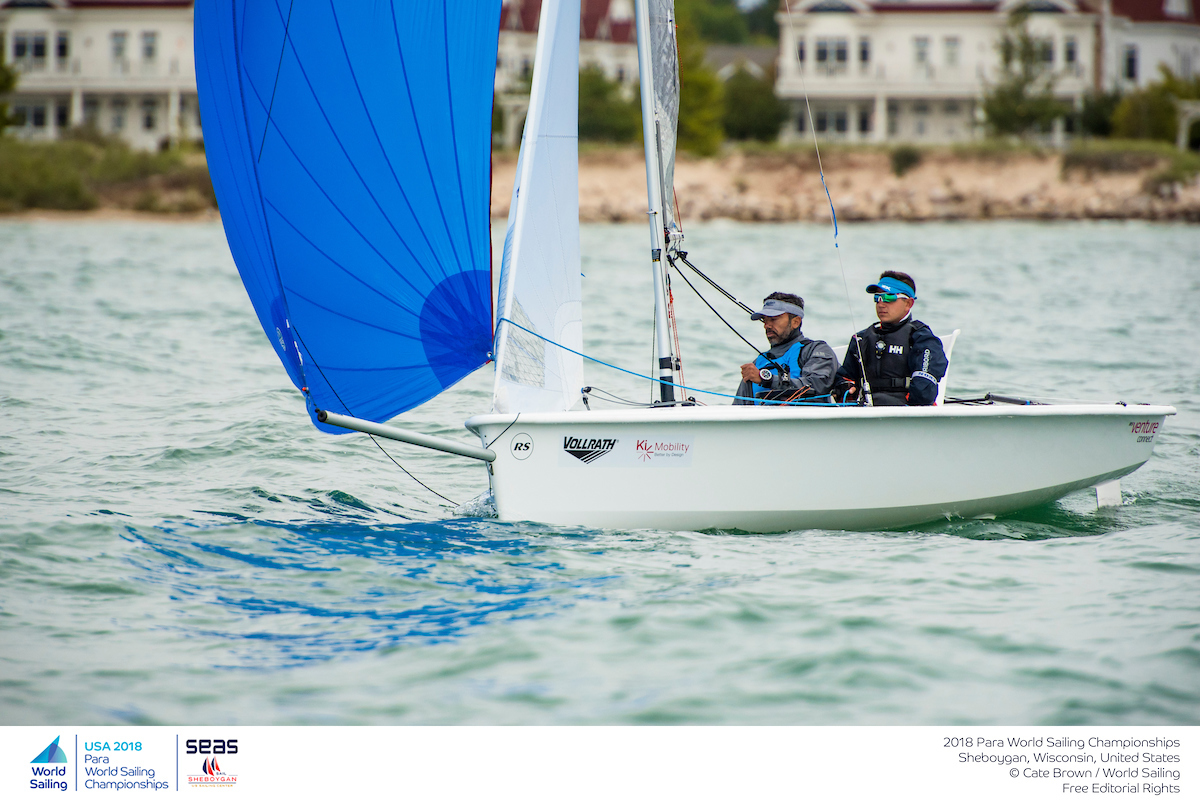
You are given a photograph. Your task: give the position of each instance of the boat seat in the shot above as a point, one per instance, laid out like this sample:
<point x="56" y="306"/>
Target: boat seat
<point x="947" y="346"/>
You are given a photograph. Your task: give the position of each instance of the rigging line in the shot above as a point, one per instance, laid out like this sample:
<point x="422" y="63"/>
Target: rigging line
<point x="505" y="431"/>
<point x="659" y="380"/>
<point x="682" y="255"/>
<point x="722" y="319"/>
<point x="346" y="406"/>
<point x="833" y="215"/>
<point x="278" y="69"/>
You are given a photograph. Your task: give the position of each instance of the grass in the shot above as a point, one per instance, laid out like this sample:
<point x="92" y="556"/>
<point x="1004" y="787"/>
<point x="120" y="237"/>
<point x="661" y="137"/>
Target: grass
<point x="86" y="170"/>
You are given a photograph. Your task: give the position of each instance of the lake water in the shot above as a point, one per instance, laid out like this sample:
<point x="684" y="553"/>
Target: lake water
<point x="178" y="544"/>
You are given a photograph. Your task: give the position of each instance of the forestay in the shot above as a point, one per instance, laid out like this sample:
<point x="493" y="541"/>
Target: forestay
<point x="349" y="148"/>
<point x="540" y="276"/>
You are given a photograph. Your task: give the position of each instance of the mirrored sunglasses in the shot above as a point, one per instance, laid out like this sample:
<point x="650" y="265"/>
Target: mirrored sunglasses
<point x="887" y="297"/>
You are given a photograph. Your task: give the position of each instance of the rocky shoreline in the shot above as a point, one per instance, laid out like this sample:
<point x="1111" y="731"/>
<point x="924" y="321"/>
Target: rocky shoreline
<point x="786" y="186"/>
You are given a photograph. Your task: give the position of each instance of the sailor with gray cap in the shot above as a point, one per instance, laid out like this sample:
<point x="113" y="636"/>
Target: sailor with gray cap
<point x="794" y="368"/>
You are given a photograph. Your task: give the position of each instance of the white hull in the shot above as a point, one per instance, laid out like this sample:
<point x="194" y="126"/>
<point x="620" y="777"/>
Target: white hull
<point x="781" y="469"/>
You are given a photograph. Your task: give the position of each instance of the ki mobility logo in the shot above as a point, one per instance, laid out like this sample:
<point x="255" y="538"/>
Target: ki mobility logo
<point x="47" y="778"/>
<point x="210" y="774"/>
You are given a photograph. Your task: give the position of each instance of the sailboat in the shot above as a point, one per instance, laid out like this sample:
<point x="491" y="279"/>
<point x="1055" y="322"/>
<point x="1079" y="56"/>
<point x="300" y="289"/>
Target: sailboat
<point x="349" y="148"/>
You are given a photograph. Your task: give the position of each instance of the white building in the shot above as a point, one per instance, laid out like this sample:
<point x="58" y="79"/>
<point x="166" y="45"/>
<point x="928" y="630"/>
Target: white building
<point x="127" y="66"/>
<point x="917" y="71"/>
<point x="608" y="40"/>
<point x="124" y="66"/>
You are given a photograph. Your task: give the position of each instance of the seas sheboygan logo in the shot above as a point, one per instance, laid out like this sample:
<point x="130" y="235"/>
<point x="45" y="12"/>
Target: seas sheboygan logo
<point x="47" y="778"/>
<point x="587" y="450"/>
<point x="210" y="774"/>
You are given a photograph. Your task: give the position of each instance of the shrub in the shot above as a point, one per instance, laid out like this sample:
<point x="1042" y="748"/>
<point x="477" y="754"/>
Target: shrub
<point x="904" y="158"/>
<point x="752" y="111"/>
<point x="604" y="115"/>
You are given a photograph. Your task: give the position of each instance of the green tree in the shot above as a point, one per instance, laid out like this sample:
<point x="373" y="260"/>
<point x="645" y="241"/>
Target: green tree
<point x="8" y="82"/>
<point x="701" y="99"/>
<point x="715" y="20"/>
<point x="1096" y="116"/>
<point x="760" y="20"/>
<point x="1023" y="100"/>
<point x="604" y="114"/>
<point x="1150" y="113"/>
<point x="752" y="111"/>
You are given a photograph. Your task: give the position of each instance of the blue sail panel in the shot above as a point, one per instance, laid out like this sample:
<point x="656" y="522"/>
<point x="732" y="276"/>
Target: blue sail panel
<point x="349" y="145"/>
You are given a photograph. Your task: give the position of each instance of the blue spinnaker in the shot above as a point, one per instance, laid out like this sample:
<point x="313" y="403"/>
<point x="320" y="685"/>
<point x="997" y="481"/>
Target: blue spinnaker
<point x="349" y="144"/>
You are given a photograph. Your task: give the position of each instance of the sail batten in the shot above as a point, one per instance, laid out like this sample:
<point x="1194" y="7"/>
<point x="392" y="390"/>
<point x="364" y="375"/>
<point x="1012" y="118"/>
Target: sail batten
<point x="349" y="147"/>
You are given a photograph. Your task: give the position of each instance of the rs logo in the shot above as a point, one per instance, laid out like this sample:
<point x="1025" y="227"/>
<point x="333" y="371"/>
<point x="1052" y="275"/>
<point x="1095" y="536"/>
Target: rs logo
<point x="521" y="447"/>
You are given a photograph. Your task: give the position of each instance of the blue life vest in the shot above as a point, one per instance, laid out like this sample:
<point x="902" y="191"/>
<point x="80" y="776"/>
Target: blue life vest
<point x="789" y="361"/>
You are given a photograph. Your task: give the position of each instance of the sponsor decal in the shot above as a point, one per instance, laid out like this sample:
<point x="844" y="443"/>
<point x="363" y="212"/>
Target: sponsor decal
<point x="588" y="450"/>
<point x="1145" y="430"/>
<point x="211" y="774"/>
<point x="895" y="349"/>
<point x="521" y="447"/>
<point x="651" y="449"/>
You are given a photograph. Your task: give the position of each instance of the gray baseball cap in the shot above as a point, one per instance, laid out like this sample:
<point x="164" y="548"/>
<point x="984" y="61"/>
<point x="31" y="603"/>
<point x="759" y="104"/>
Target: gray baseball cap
<point x="774" y="308"/>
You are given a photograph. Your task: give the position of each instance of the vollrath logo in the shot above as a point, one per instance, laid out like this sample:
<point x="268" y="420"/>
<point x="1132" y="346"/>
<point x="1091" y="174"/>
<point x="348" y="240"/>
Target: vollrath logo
<point x="588" y="450"/>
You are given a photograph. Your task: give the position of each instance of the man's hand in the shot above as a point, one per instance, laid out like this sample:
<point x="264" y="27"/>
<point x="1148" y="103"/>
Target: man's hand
<point x="750" y="373"/>
<point x="852" y="390"/>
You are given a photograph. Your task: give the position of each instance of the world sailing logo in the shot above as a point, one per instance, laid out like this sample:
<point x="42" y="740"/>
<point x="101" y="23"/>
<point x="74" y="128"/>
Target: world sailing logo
<point x="52" y="753"/>
<point x="47" y="778"/>
<point x="587" y="450"/>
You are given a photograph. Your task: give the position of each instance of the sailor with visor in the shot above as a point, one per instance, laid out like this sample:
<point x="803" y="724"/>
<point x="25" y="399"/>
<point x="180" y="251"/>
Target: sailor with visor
<point x="904" y="360"/>
<point x="795" y="368"/>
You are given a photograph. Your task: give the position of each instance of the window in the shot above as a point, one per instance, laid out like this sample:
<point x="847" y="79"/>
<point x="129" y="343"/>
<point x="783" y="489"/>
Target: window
<point x="801" y="121"/>
<point x="921" y="50"/>
<point x="62" y="116"/>
<point x="149" y="113"/>
<point x="118" y="113"/>
<point x="833" y="55"/>
<point x="39" y="116"/>
<point x="864" y="121"/>
<point x="149" y="45"/>
<point x="39" y="48"/>
<point x="62" y="45"/>
<point x="20" y="116"/>
<point x="950" y="46"/>
<point x="20" y="46"/>
<point x="118" y="44"/>
<point x="822" y="121"/>
<point x="839" y="121"/>
<point x="1046" y="51"/>
<point x="920" y="107"/>
<point x="1131" y="62"/>
<point x="91" y="111"/>
<point x="951" y="107"/>
<point x="1070" y="52"/>
<point x="864" y="51"/>
<point x="800" y="52"/>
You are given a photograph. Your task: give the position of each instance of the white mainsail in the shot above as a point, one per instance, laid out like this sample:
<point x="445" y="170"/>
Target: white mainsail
<point x="664" y="84"/>
<point x="540" y="274"/>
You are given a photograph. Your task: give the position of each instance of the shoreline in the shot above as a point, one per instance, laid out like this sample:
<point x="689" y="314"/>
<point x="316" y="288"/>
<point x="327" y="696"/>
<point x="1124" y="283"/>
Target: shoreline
<point x="779" y="185"/>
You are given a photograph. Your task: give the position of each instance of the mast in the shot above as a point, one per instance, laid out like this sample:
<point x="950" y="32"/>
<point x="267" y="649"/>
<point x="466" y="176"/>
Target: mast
<point x="651" y="132"/>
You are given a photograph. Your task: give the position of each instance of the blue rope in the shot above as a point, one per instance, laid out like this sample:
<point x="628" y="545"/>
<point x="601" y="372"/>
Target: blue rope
<point x="657" y="380"/>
